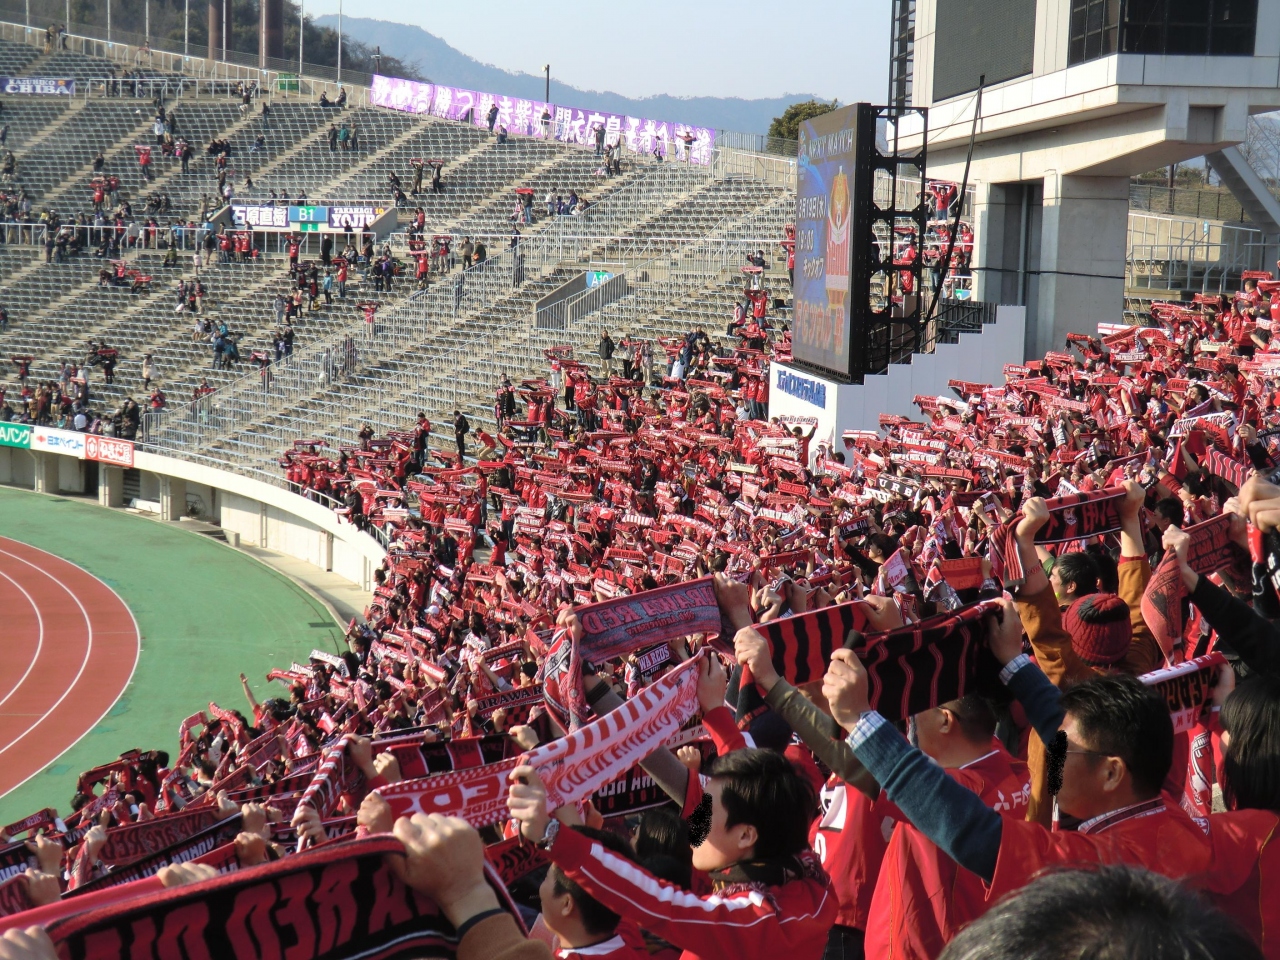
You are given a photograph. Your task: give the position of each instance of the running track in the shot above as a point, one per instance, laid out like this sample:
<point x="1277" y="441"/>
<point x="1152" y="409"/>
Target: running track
<point x="69" y="648"/>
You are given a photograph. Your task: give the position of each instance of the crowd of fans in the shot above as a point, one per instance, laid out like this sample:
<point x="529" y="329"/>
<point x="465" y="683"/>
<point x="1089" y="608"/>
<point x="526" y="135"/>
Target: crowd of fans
<point x="1104" y="522"/>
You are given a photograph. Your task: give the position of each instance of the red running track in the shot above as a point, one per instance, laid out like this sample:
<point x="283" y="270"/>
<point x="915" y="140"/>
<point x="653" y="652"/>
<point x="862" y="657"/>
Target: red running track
<point x="69" y="648"/>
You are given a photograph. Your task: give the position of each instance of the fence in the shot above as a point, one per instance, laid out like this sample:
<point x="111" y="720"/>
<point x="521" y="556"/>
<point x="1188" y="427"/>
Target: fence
<point x="1199" y="203"/>
<point x="167" y="54"/>
<point x="758" y="143"/>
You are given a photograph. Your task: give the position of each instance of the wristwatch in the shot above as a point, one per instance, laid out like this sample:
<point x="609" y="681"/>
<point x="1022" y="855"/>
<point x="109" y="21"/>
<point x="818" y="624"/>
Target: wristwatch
<point x="548" y="838"/>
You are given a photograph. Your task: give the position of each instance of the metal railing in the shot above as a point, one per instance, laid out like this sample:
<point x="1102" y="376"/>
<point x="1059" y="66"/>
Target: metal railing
<point x="728" y="162"/>
<point x="760" y="143"/>
<point x="954" y="317"/>
<point x="1171" y="253"/>
<point x="649" y="286"/>
<point x="1261" y="148"/>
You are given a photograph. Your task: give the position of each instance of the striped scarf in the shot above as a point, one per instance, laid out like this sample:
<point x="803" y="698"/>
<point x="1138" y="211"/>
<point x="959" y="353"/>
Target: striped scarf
<point x="910" y="668"/>
<point x="1073" y="517"/>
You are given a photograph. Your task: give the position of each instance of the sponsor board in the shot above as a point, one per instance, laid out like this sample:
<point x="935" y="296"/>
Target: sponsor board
<point x="109" y="450"/>
<point x="52" y="440"/>
<point x="15" y="435"/>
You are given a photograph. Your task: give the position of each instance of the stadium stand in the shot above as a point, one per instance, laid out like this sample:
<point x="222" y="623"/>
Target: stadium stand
<point x="564" y="475"/>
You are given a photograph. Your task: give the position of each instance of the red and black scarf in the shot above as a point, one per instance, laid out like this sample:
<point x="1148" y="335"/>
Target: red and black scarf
<point x="343" y="899"/>
<point x="1074" y="517"/>
<point x="910" y="668"/>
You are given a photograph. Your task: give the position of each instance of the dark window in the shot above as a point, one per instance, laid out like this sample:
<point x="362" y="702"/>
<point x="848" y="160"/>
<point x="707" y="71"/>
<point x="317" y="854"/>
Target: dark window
<point x="1095" y="25"/>
<point x="1192" y="27"/>
<point x="902" y="53"/>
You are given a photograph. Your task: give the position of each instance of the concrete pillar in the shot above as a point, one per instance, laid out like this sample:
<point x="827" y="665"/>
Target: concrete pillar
<point x="173" y="498"/>
<point x="270" y="31"/>
<point x="6" y="463"/>
<point x="46" y="471"/>
<point x="327" y="552"/>
<point x="70" y="475"/>
<point x="110" y="486"/>
<point x="1082" y="254"/>
<point x="215" y="28"/>
<point x="989" y="240"/>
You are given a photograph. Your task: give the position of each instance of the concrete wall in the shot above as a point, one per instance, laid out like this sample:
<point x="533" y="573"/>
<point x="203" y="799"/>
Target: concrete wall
<point x="263" y="515"/>
<point x="977" y="357"/>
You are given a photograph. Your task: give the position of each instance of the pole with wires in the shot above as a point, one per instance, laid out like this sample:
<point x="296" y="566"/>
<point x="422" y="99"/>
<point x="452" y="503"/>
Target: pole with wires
<point x="964" y="187"/>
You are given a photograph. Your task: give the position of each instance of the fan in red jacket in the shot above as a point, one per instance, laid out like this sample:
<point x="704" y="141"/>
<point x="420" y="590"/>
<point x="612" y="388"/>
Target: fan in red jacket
<point x="771" y="897"/>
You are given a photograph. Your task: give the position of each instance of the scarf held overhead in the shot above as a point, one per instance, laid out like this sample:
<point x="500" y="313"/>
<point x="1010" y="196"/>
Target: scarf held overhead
<point x="1211" y="549"/>
<point x="1074" y="517"/>
<point x="910" y="668"/>
<point x="589" y="759"/>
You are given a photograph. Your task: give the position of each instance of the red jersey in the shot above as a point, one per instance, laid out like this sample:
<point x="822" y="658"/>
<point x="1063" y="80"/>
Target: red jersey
<point x="791" y="920"/>
<point x="1244" y="882"/>
<point x="851" y="838"/>
<point x="1153" y="834"/>
<point x="923" y="898"/>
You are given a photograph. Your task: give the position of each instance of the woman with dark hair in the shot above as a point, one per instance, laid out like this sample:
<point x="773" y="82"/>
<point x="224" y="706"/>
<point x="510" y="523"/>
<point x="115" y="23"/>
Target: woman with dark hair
<point x="1245" y="880"/>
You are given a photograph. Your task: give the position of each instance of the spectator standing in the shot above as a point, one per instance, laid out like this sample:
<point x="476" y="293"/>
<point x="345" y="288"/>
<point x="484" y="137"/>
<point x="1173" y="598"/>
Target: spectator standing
<point x="605" y="349"/>
<point x="460" y="430"/>
<point x="148" y="371"/>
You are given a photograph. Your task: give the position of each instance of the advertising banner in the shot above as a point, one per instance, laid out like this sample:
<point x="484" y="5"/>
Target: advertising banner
<point x="39" y="86"/>
<point x="567" y="124"/>
<point x="109" y="450"/>
<point x="15" y="435"/>
<point x="261" y="217"/>
<point x="352" y="218"/>
<point x="824" y="240"/>
<point x="52" y="440"/>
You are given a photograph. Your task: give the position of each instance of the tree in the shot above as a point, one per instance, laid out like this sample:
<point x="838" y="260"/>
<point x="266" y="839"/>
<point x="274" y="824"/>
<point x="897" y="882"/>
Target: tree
<point x="787" y="126"/>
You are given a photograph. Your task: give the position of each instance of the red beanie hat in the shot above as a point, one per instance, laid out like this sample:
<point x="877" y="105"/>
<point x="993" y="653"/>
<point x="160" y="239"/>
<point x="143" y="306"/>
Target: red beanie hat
<point x="1100" y="628"/>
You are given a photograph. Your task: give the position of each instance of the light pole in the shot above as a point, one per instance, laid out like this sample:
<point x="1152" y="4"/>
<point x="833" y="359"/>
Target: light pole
<point x="186" y="25"/>
<point x="224" y="31"/>
<point x="146" y="21"/>
<point x="302" y="27"/>
<point x="547" y="93"/>
<point x="339" y="42"/>
<point x="108" y="21"/>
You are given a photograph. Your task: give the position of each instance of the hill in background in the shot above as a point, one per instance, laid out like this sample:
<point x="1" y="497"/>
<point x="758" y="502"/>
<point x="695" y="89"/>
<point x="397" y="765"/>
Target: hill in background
<point x="434" y="58"/>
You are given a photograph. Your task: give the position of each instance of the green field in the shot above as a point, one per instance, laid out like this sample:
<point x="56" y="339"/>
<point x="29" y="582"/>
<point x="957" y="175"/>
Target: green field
<point x="206" y="613"/>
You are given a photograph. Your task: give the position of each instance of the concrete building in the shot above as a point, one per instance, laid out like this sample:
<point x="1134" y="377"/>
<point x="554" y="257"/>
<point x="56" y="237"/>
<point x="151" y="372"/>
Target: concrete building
<point x="1079" y="96"/>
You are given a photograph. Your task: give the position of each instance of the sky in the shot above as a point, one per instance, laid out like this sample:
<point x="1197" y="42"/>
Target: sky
<point x="639" y="48"/>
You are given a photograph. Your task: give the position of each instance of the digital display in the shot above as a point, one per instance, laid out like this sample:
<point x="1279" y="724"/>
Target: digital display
<point x="824" y="222"/>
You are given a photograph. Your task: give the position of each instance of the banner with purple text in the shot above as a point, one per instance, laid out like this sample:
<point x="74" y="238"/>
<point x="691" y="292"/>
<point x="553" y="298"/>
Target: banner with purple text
<point x="640" y="135"/>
